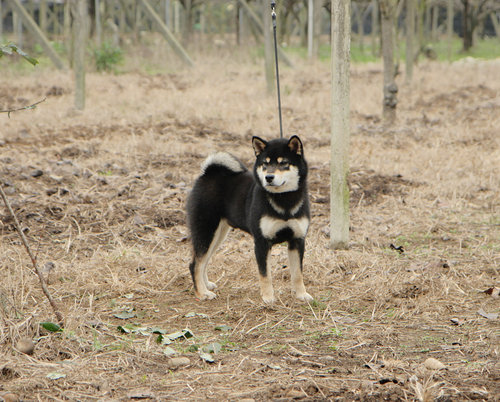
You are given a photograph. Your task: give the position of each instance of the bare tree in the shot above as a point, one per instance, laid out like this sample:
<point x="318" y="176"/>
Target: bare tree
<point x="473" y="12"/>
<point x="268" y="46"/>
<point x="449" y="26"/>
<point x="410" y="34"/>
<point x="80" y="21"/>
<point x="387" y="11"/>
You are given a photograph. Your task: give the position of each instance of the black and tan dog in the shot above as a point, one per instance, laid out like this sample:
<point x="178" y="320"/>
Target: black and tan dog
<point x="271" y="203"/>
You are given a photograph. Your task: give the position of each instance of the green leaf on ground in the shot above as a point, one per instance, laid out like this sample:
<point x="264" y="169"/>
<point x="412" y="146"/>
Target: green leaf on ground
<point x="50" y="326"/>
<point x="223" y="328"/>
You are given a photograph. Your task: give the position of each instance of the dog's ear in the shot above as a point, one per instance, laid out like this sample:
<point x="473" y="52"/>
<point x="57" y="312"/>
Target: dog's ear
<point x="258" y="145"/>
<point x="295" y="145"/>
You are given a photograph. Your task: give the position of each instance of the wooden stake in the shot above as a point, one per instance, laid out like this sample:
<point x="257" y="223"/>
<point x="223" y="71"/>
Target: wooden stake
<point x="178" y="49"/>
<point x="339" y="164"/>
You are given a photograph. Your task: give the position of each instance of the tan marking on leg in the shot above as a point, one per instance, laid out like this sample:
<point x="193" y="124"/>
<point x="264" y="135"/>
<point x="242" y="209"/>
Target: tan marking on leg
<point x="296" y="276"/>
<point x="266" y="283"/>
<point x="199" y="278"/>
<point x="219" y="236"/>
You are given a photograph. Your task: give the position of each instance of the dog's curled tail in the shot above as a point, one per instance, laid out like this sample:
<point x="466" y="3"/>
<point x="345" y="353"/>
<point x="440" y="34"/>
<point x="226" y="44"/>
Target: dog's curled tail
<point x="222" y="160"/>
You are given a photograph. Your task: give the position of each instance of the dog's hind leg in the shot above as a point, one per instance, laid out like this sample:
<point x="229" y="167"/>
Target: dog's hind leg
<point x="295" y="256"/>
<point x="219" y="236"/>
<point x="205" y="243"/>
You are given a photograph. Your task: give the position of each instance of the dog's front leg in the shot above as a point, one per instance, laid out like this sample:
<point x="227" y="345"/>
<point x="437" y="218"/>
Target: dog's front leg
<point x="263" y="256"/>
<point x="295" y="257"/>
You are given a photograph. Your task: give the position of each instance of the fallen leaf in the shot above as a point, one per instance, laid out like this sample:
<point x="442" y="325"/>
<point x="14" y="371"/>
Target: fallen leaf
<point x="193" y="314"/>
<point x="141" y="394"/>
<point x="126" y="329"/>
<point x="55" y="376"/>
<point x="207" y="357"/>
<point x="163" y="340"/>
<point x="223" y="328"/>
<point x="124" y="315"/>
<point x="457" y="321"/>
<point x="157" y="330"/>
<point x="489" y="316"/>
<point x="50" y="326"/>
<point x="212" y="348"/>
<point x="185" y="333"/>
<point x="493" y="292"/>
<point x="168" y="351"/>
<point x="274" y="366"/>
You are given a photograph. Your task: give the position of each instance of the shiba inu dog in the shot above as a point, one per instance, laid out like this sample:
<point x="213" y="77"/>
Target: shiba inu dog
<point x="271" y="203"/>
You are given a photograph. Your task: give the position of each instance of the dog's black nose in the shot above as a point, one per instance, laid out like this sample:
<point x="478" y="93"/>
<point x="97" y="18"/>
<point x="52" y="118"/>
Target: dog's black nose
<point x="269" y="178"/>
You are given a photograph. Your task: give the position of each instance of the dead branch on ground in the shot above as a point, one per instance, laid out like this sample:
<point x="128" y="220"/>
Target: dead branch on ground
<point x="32" y="257"/>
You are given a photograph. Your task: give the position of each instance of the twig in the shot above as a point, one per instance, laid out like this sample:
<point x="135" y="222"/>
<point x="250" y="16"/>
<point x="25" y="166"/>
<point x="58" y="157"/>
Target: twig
<point x="32" y="106"/>
<point x="33" y="260"/>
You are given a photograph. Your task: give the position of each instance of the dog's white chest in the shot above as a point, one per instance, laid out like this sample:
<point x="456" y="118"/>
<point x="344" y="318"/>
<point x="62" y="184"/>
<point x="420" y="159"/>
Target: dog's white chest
<point x="270" y="226"/>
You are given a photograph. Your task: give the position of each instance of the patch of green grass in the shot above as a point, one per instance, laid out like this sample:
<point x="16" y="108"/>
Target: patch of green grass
<point x="337" y="332"/>
<point x="488" y="48"/>
<point x="107" y="57"/>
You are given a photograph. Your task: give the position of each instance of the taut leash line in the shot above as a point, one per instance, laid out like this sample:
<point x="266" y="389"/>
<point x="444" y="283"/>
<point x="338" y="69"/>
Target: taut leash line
<point x="273" y="14"/>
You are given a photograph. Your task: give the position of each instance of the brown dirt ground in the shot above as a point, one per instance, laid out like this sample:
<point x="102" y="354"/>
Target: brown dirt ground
<point x="106" y="207"/>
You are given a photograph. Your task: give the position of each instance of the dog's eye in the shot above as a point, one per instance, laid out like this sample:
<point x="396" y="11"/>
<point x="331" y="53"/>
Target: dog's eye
<point x="284" y="164"/>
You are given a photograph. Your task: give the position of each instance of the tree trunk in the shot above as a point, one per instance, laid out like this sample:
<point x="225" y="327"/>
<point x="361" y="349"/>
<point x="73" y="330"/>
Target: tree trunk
<point x="79" y="12"/>
<point x="467" y="34"/>
<point x="318" y="5"/>
<point x="449" y="26"/>
<point x="187" y="31"/>
<point x="496" y="23"/>
<point x="339" y="164"/>
<point x="310" y="28"/>
<point x="410" y="35"/>
<point x="387" y="10"/>
<point x="268" y="47"/>
<point x="375" y="28"/>
<point x="435" y="20"/>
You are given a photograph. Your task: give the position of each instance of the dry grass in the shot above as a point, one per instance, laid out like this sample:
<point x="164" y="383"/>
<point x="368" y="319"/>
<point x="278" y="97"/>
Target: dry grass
<point x="109" y="212"/>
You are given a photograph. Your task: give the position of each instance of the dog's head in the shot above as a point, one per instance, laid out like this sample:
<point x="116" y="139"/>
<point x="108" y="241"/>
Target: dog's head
<point x="280" y="166"/>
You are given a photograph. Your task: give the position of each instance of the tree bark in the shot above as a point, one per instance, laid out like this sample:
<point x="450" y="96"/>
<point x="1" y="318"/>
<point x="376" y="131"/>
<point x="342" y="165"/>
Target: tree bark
<point x="410" y="35"/>
<point x="339" y="164"/>
<point x="449" y="27"/>
<point x="79" y="12"/>
<point x="387" y="10"/>
<point x="268" y="47"/>
<point x="467" y="26"/>
<point x="375" y="28"/>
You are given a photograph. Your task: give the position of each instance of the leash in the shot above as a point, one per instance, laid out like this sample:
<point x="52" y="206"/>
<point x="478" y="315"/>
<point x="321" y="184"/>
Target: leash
<point x="273" y="15"/>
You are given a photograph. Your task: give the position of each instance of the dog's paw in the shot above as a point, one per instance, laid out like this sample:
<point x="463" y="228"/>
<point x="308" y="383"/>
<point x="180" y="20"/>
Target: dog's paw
<point x="211" y="285"/>
<point x="305" y="297"/>
<point x="208" y="295"/>
<point x="268" y="298"/>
